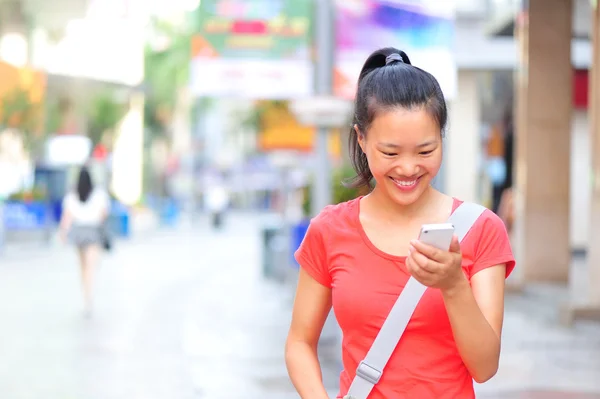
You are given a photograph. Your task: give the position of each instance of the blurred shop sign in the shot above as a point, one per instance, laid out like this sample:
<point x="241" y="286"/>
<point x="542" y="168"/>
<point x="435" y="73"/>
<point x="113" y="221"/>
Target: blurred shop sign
<point x="254" y="79"/>
<point x="281" y="128"/>
<point x="260" y="49"/>
<point x="323" y="111"/>
<point x="422" y="28"/>
<point x="252" y="49"/>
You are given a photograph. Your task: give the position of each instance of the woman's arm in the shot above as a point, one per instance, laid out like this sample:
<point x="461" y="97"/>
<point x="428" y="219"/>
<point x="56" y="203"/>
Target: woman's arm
<point x="476" y="313"/>
<point x="66" y="220"/>
<point x="311" y="307"/>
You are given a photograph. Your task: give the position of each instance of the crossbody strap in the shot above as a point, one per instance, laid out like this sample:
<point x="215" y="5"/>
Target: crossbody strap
<point x="371" y="368"/>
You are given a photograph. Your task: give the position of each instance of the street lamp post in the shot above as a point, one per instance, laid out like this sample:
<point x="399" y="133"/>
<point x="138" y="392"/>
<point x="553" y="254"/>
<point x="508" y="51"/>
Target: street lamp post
<point x="324" y="42"/>
<point x="323" y="111"/>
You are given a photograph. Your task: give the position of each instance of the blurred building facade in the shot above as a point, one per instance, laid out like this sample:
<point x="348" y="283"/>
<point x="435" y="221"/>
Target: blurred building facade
<point x="556" y="185"/>
<point x="531" y="61"/>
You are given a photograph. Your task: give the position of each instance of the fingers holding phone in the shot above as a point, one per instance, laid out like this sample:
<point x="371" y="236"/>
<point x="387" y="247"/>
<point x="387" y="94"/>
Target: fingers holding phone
<point x="435" y="259"/>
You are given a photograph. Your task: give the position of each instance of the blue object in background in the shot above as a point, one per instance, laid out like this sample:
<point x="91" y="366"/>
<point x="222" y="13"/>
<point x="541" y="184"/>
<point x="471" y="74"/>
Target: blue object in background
<point x="496" y="170"/>
<point x="169" y="212"/>
<point x="26" y="215"/>
<point x="298" y="233"/>
<point x="167" y="209"/>
<point x="54" y="181"/>
<point x="120" y="220"/>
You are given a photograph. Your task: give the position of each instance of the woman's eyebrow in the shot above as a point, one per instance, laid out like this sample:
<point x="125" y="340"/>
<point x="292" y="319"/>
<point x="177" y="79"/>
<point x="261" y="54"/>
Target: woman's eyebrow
<point x="392" y="145"/>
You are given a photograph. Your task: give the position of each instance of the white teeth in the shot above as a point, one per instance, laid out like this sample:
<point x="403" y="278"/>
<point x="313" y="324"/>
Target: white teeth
<point x="405" y="183"/>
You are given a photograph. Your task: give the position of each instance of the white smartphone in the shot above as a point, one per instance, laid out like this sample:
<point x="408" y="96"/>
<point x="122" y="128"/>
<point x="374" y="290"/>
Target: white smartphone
<point x="438" y="235"/>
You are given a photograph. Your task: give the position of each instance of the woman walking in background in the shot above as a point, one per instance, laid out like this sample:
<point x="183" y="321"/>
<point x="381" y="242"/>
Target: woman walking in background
<point x="84" y="213"/>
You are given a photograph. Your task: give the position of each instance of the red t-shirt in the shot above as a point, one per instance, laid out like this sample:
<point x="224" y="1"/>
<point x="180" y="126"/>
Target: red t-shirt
<point x="366" y="282"/>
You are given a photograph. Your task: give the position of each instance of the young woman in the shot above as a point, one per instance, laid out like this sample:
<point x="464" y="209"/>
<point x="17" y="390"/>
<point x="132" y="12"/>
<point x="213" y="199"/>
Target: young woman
<point x="357" y="256"/>
<point x="84" y="214"/>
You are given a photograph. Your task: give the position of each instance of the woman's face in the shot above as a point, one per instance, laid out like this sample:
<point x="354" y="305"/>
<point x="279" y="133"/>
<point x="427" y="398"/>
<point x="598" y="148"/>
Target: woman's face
<point x="404" y="150"/>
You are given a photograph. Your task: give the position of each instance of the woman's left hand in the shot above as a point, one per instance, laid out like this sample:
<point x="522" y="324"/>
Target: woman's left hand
<point x="436" y="268"/>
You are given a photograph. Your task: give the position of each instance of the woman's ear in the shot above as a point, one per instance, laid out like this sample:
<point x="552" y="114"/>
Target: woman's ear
<point x="360" y="138"/>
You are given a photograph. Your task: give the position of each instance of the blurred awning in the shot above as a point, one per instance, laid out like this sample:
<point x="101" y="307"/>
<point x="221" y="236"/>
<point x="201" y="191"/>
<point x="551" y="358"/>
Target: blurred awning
<point x="52" y="15"/>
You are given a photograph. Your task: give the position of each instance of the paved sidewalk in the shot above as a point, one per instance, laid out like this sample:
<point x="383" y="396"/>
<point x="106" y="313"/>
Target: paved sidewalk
<point x="185" y="313"/>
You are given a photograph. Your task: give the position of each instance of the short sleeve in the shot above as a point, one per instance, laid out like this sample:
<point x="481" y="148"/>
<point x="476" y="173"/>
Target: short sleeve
<point x="311" y="255"/>
<point x="494" y="246"/>
<point x="67" y="203"/>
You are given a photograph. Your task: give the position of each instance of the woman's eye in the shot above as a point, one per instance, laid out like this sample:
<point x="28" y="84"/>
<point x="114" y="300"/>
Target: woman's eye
<point x="388" y="154"/>
<point x="426" y="152"/>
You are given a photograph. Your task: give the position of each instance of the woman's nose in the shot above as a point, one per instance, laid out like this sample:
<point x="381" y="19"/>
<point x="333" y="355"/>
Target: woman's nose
<point x="407" y="168"/>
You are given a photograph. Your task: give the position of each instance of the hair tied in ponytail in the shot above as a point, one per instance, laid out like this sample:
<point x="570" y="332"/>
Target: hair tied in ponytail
<point x="394" y="57"/>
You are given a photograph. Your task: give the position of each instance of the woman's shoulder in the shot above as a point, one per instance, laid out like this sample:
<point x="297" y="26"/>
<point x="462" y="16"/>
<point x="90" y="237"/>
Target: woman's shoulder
<point x="336" y="214"/>
<point x="488" y="243"/>
<point x="487" y="216"/>
<point x="70" y="196"/>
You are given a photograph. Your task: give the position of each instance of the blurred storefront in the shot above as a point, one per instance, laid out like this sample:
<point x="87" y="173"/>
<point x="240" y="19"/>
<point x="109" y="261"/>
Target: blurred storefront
<point x="557" y="163"/>
<point x="57" y="57"/>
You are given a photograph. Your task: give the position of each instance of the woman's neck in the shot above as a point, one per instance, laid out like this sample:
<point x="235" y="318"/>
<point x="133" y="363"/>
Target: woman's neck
<point x="395" y="212"/>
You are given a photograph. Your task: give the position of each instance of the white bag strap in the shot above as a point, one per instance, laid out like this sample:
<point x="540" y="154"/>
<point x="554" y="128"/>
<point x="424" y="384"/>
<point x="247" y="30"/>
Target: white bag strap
<point x="371" y="368"/>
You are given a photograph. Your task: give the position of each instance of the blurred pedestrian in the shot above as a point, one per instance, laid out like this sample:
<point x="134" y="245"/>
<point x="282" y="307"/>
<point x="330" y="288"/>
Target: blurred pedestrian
<point x="358" y="256"/>
<point x="217" y="202"/>
<point x="506" y="209"/>
<point x="85" y="211"/>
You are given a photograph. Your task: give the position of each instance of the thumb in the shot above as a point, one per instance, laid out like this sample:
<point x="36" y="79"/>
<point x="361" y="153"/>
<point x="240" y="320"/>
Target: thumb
<point x="455" y="245"/>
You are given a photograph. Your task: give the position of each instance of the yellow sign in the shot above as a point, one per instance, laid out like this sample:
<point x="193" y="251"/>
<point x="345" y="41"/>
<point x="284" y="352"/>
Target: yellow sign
<point x="281" y="131"/>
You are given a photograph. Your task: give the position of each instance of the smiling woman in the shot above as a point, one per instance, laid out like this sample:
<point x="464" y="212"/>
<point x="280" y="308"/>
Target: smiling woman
<point x="358" y="256"/>
<point x="410" y="164"/>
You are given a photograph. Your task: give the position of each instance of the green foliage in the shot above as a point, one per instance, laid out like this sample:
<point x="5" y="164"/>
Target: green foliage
<point x="254" y="118"/>
<point x="53" y="116"/>
<point x="17" y="111"/>
<point x="340" y="192"/>
<point x="167" y="71"/>
<point x="104" y="114"/>
<point x="33" y="195"/>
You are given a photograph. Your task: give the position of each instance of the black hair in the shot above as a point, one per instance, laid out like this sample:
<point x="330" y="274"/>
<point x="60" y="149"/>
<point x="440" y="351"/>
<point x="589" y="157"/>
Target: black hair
<point x="85" y="186"/>
<point x="388" y="80"/>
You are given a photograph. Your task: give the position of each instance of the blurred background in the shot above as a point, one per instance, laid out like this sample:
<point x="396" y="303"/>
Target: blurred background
<point x="219" y="128"/>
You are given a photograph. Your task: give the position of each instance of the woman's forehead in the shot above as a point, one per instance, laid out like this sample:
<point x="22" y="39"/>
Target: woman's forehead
<point x="400" y="125"/>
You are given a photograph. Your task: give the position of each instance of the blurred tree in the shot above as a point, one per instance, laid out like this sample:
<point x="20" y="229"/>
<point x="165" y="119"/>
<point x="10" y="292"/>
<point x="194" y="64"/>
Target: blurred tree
<point x="53" y="116"/>
<point x="167" y="65"/>
<point x="254" y="118"/>
<point x="105" y="112"/>
<point x="18" y="111"/>
<point x="341" y="192"/>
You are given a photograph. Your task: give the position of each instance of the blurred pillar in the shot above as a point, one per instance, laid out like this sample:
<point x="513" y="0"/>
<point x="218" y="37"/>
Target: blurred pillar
<point x="594" y="114"/>
<point x="463" y="143"/>
<point x="591" y="309"/>
<point x="543" y="128"/>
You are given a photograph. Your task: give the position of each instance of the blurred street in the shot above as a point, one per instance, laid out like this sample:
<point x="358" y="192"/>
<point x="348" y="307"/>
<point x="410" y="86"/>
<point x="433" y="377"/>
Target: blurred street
<point x="185" y="313"/>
